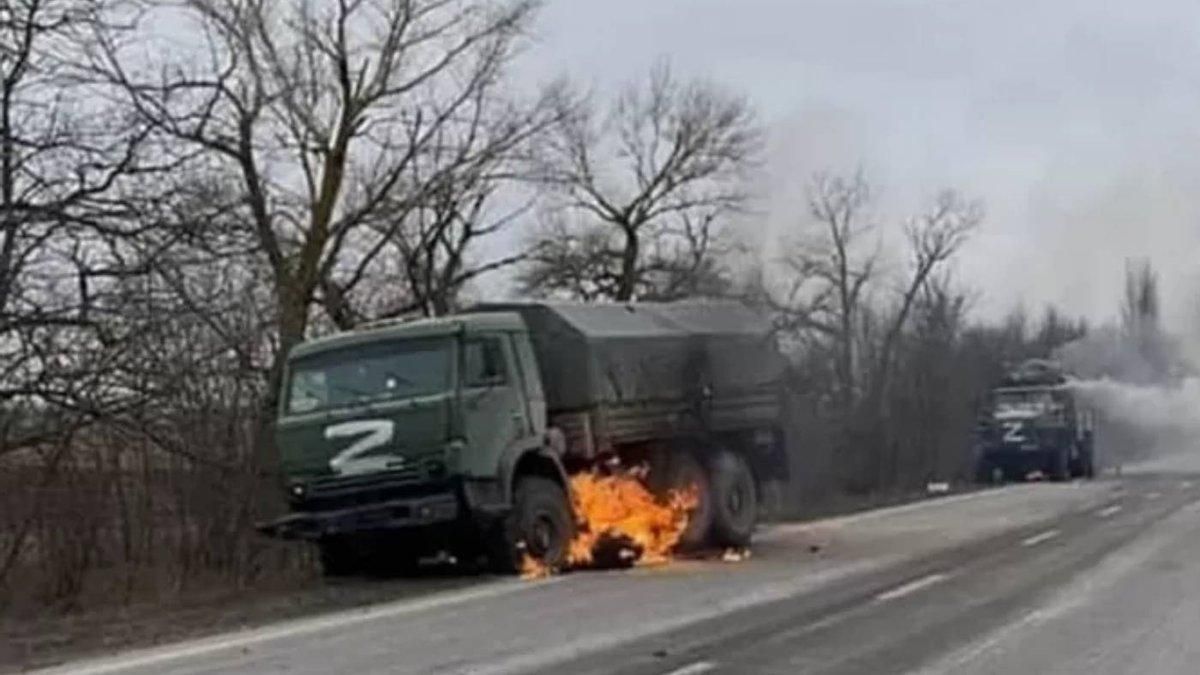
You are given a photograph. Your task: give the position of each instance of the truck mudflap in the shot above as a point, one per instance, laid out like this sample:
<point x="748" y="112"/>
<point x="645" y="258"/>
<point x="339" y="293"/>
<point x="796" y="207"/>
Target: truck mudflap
<point x="388" y="515"/>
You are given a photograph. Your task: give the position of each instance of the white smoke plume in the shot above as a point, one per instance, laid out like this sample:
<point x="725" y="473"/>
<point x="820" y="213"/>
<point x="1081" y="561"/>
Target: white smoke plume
<point x="1140" y="422"/>
<point x="1147" y="400"/>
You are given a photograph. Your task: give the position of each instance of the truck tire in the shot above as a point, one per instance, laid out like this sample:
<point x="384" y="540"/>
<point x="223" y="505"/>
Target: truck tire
<point x="734" y="499"/>
<point x="540" y="524"/>
<point x="1088" y="462"/>
<point x="339" y="558"/>
<point x="684" y="471"/>
<point x="1061" y="469"/>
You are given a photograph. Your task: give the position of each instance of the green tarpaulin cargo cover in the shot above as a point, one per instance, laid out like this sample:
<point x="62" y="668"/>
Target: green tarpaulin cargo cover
<point x="629" y="354"/>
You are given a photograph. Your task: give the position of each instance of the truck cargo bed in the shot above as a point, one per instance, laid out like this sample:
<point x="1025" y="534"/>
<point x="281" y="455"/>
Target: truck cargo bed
<point x="619" y="373"/>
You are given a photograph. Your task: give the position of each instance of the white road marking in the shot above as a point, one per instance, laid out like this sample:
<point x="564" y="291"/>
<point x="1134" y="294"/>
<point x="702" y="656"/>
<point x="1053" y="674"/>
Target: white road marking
<point x="1106" y="512"/>
<point x="1153" y="495"/>
<point x="694" y="669"/>
<point x="1185" y="485"/>
<point x="153" y="657"/>
<point x="623" y="633"/>
<point x="911" y="587"/>
<point x="1128" y="560"/>
<point x="1039" y="538"/>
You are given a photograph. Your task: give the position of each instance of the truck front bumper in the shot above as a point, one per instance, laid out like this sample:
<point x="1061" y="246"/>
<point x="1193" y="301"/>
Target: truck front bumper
<point x="387" y="515"/>
<point x="1022" y="461"/>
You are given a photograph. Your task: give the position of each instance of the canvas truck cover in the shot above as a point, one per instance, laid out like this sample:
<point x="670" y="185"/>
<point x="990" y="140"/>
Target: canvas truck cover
<point x="618" y="355"/>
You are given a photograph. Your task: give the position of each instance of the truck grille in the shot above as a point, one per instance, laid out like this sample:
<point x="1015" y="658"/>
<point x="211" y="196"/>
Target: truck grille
<point x="345" y="491"/>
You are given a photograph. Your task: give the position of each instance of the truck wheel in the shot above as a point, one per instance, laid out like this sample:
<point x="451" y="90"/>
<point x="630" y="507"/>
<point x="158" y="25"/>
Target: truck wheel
<point x="1088" y="461"/>
<point x="540" y="524"/>
<point x="683" y="472"/>
<point x="1079" y="464"/>
<point x="734" y="499"/>
<point x="1061" y="471"/>
<point x="339" y="558"/>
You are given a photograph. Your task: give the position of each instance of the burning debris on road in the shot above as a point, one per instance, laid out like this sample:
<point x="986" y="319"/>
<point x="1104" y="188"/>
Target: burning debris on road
<point x="620" y="523"/>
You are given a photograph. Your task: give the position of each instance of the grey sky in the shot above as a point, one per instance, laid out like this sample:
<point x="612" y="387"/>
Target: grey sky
<point x="1077" y="121"/>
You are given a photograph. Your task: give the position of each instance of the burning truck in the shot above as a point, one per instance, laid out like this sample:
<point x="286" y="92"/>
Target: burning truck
<point x="536" y="434"/>
<point x="1032" y="422"/>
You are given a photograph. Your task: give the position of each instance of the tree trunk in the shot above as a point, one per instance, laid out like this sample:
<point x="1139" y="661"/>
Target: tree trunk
<point x="627" y="284"/>
<point x="293" y="323"/>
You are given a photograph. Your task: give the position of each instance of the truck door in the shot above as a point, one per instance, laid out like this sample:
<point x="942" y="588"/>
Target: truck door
<point x="495" y="412"/>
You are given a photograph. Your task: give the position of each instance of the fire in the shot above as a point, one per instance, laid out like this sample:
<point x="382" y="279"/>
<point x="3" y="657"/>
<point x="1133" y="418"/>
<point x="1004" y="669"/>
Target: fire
<point x="532" y="568"/>
<point x="620" y="523"/>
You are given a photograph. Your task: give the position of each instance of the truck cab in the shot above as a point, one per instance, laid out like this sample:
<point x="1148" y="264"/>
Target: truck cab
<point x="396" y="431"/>
<point x="1032" y="422"/>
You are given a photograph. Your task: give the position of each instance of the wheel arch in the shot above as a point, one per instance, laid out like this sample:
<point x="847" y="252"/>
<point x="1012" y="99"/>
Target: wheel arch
<point x="765" y="452"/>
<point x="535" y="461"/>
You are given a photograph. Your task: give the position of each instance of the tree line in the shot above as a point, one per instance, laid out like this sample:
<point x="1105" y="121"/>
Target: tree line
<point x="189" y="189"/>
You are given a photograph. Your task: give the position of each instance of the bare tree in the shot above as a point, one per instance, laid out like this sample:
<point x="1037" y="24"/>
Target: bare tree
<point x="826" y="275"/>
<point x="68" y="166"/>
<point x="73" y="173"/>
<point x="1141" y="324"/>
<point x="1057" y="329"/>
<point x="641" y="191"/>
<point x="437" y="240"/>
<point x="933" y="409"/>
<point x="317" y="112"/>
<point x="831" y="295"/>
<point x="824" y="282"/>
<point x="575" y="261"/>
<point x="423" y="242"/>
<point x="933" y="239"/>
<point x="1140" y="302"/>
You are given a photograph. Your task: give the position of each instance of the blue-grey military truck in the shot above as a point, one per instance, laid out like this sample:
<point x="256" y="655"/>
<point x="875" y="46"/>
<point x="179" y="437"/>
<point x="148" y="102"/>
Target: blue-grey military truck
<point x="1032" y="422"/>
<point x="405" y="439"/>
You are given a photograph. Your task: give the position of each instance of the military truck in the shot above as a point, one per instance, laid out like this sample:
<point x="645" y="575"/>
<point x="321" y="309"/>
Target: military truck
<point x="1032" y="422"/>
<point x="407" y="438"/>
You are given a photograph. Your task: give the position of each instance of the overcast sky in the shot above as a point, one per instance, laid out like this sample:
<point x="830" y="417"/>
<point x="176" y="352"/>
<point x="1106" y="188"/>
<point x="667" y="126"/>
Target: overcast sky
<point x="1076" y="121"/>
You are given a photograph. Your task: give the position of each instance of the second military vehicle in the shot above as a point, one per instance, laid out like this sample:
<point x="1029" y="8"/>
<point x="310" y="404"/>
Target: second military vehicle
<point x="1032" y="422"/>
<point x="459" y="433"/>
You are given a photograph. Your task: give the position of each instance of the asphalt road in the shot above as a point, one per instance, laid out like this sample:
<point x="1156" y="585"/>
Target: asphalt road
<point x="1097" y="577"/>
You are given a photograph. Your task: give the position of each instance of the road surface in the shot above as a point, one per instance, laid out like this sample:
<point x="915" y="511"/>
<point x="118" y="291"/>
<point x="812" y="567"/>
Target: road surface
<point x="1096" y="577"/>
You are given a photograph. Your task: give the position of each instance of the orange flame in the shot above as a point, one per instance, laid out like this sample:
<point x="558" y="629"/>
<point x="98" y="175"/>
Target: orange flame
<point x="532" y="568"/>
<point x="617" y="511"/>
<point x="619" y="523"/>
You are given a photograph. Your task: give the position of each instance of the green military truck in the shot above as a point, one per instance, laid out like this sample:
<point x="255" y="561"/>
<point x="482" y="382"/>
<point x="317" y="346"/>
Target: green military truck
<point x="403" y="439"/>
<point x="1032" y="422"/>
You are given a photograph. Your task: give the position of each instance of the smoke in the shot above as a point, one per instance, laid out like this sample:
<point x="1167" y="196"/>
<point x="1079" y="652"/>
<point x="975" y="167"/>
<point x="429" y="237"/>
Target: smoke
<point x="1146" y="395"/>
<point x="1139" y="422"/>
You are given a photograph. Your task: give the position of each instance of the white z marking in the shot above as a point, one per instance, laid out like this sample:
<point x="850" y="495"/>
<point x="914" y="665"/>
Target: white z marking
<point x="377" y="434"/>
<point x="1012" y="433"/>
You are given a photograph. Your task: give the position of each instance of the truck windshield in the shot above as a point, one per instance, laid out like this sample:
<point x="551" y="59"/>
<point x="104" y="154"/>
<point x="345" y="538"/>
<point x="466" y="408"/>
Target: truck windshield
<point x="1028" y="402"/>
<point x="368" y="374"/>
